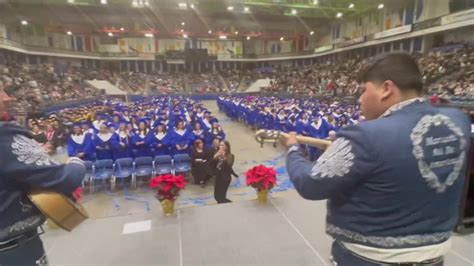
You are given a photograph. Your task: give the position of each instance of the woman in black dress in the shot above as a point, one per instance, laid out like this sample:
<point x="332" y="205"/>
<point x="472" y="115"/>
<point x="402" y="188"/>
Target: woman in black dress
<point x="224" y="160"/>
<point x="200" y="164"/>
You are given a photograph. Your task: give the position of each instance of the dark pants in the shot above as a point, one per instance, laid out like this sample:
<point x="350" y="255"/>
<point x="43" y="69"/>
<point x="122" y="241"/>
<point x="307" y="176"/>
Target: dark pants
<point x="220" y="188"/>
<point x="343" y="257"/>
<point x="27" y="254"/>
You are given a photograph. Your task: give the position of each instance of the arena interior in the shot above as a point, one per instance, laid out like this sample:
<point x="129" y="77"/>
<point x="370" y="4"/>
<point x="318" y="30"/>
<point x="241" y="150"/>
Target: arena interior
<point x="136" y="71"/>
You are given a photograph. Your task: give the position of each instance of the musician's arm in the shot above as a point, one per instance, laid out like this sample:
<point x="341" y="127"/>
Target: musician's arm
<point x="33" y="169"/>
<point x="340" y="168"/>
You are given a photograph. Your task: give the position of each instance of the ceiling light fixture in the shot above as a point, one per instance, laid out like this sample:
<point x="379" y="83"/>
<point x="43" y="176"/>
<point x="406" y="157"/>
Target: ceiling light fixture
<point x="183" y="23"/>
<point x="351" y="6"/>
<point x="294" y="11"/>
<point x="122" y="29"/>
<point x="315" y="2"/>
<point x="134" y="3"/>
<point x="230" y="8"/>
<point x="282" y="39"/>
<point x="69" y="33"/>
<point x="223" y="37"/>
<point x="381" y="6"/>
<point x="338" y="15"/>
<point x="104" y="2"/>
<point x="182" y="30"/>
<point x="185" y="36"/>
<point x="236" y="33"/>
<point x="24" y="22"/>
<point x="311" y="33"/>
<point x="209" y="31"/>
<point x="246" y="9"/>
<point x="149" y="35"/>
<point x="192" y="6"/>
<point x="70" y="1"/>
<point x="248" y="38"/>
<point x="183" y="5"/>
<point x="110" y="34"/>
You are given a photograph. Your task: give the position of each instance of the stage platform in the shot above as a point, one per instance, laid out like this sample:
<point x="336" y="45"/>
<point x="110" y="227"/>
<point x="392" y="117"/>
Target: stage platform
<point x="288" y="230"/>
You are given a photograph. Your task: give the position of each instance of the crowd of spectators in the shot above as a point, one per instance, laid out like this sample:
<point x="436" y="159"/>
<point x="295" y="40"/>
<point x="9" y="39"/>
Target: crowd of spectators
<point x="448" y="71"/>
<point x="338" y="77"/>
<point x="202" y="83"/>
<point x="33" y="86"/>
<point x="167" y="83"/>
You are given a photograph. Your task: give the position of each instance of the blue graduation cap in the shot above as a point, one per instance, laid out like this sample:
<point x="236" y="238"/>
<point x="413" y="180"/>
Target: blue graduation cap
<point x="214" y="120"/>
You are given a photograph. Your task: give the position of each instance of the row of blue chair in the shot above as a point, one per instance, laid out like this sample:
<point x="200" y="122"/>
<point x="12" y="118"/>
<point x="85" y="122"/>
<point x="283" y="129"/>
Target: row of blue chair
<point x="108" y="170"/>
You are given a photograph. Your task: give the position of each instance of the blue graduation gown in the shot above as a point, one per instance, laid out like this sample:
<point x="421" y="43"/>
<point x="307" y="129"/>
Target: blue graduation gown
<point x="185" y="139"/>
<point x="302" y="127"/>
<point x="216" y="134"/>
<point x="280" y="123"/>
<point x="320" y="132"/>
<point x="77" y="145"/>
<point x="159" y="145"/>
<point x="103" y="147"/>
<point x="202" y="135"/>
<point x="120" y="151"/>
<point x="141" y="149"/>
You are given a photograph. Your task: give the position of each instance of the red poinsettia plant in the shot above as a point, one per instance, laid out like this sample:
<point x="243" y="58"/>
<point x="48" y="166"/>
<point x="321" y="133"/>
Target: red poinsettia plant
<point x="168" y="186"/>
<point x="261" y="177"/>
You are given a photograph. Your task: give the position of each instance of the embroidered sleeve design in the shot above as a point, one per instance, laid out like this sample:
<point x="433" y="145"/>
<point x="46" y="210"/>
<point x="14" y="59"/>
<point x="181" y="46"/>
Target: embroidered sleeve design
<point x="28" y="151"/>
<point x="336" y="161"/>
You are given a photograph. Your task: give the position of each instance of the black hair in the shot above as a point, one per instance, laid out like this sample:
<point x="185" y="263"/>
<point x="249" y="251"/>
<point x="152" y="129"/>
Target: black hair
<point x="400" y="68"/>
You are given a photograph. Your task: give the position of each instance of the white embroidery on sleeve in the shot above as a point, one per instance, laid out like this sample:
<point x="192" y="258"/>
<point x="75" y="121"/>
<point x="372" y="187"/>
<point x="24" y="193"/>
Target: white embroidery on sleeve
<point x="337" y="160"/>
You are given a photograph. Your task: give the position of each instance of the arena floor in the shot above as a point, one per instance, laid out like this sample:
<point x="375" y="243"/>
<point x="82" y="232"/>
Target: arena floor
<point x="128" y="227"/>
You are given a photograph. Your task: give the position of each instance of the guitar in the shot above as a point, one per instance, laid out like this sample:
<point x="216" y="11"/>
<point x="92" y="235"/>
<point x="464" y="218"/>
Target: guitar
<point x="272" y="136"/>
<point x="63" y="211"/>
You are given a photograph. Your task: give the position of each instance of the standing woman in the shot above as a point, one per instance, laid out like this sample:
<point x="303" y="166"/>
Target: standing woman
<point x="139" y="140"/>
<point x="159" y="141"/>
<point x="224" y="160"/>
<point x="122" y="143"/>
<point x="103" y="143"/>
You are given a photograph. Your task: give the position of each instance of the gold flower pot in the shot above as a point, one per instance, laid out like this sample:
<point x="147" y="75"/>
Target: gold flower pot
<point x="168" y="207"/>
<point x="262" y="195"/>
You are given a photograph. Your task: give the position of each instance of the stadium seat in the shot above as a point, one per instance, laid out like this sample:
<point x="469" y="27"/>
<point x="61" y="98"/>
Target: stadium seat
<point x="162" y="165"/>
<point x="123" y="169"/>
<point x="182" y="163"/>
<point x="104" y="170"/>
<point x="143" y="166"/>
<point x="90" y="171"/>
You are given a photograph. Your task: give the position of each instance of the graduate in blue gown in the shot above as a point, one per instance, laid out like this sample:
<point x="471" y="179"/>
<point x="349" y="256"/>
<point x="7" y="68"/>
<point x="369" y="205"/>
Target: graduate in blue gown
<point x="205" y="121"/>
<point x="86" y="128"/>
<point x="216" y="131"/>
<point x="139" y="140"/>
<point x="199" y="133"/>
<point x="280" y="121"/>
<point x="181" y="139"/>
<point x="80" y="144"/>
<point x="159" y="141"/>
<point x="302" y="125"/>
<point x="103" y="143"/>
<point x="122" y="142"/>
<point x="319" y="128"/>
